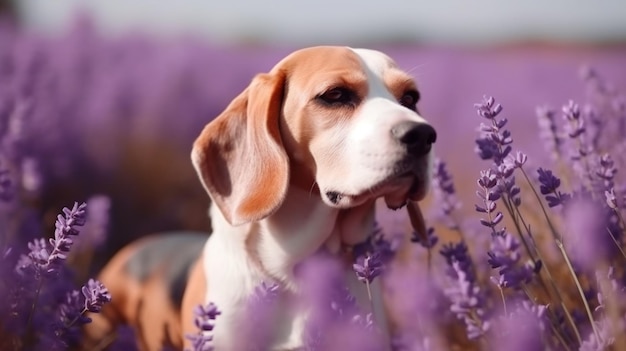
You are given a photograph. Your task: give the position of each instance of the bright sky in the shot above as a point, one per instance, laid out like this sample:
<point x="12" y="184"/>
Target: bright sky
<point x="332" y="21"/>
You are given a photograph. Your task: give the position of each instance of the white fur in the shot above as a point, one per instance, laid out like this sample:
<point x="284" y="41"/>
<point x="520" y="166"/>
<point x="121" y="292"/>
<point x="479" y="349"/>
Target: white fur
<point x="369" y="154"/>
<point x="364" y="154"/>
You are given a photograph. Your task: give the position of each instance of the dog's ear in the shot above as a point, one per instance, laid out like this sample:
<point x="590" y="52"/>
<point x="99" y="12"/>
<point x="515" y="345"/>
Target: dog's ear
<point x="239" y="156"/>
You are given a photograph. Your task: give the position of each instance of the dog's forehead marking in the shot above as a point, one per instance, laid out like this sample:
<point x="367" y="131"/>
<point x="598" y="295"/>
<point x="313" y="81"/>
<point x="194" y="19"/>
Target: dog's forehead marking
<point x="376" y="64"/>
<point x="375" y="61"/>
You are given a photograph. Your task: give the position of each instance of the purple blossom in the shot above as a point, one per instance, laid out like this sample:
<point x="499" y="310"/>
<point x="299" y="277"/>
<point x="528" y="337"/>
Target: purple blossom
<point x="429" y="242"/>
<point x="548" y="130"/>
<point x="549" y="187"/>
<point x="494" y="141"/>
<point x="522" y="329"/>
<point x="204" y="320"/>
<point x="377" y="244"/>
<point x="605" y="340"/>
<point x="613" y="200"/>
<point x="488" y="108"/>
<point x="489" y="195"/>
<point x="505" y="256"/>
<point x="6" y="186"/>
<point x="65" y="228"/>
<point x="571" y="112"/>
<point x="443" y="187"/>
<point x="336" y="321"/>
<point x="468" y="301"/>
<point x="457" y="252"/>
<point x="606" y="172"/>
<point x="368" y="266"/>
<point x="96" y="295"/>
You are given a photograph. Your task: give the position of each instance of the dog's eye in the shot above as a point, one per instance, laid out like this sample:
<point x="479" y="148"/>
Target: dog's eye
<point x="337" y="96"/>
<point x="410" y="99"/>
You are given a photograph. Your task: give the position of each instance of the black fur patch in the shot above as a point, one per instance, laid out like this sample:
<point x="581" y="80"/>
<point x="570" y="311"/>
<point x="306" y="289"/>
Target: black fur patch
<point x="172" y="253"/>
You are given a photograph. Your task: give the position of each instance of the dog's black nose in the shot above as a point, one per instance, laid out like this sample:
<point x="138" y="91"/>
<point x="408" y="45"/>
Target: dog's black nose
<point x="418" y="137"/>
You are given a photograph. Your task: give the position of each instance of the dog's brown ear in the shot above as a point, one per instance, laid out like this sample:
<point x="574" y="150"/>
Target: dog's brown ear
<point x="239" y="156"/>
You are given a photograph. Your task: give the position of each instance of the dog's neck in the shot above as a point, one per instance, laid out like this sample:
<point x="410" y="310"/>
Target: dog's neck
<point x="303" y="225"/>
<point x="270" y="250"/>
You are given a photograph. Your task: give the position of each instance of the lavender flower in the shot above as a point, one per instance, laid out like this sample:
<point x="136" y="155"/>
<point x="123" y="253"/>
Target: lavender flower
<point x="372" y="255"/>
<point x="571" y="113"/>
<point x="601" y="342"/>
<point x="205" y="321"/>
<point x="522" y="329"/>
<point x="548" y="130"/>
<point x="613" y="200"/>
<point x="549" y="187"/>
<point x="429" y="242"/>
<point x="489" y="195"/>
<point x="494" y="142"/>
<point x="606" y="172"/>
<point x="65" y="228"/>
<point x="368" y="267"/>
<point x="443" y="188"/>
<point x="458" y="252"/>
<point x="336" y="321"/>
<point x="261" y="308"/>
<point x="378" y="244"/>
<point x="468" y="302"/>
<point x="505" y="257"/>
<point x="6" y="186"/>
<point x="96" y="295"/>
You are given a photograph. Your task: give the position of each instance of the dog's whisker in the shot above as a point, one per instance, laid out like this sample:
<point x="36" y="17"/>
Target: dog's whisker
<point x="311" y="190"/>
<point x="416" y="67"/>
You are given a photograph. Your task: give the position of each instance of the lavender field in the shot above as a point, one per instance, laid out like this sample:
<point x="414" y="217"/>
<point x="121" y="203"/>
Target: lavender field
<point x="535" y="261"/>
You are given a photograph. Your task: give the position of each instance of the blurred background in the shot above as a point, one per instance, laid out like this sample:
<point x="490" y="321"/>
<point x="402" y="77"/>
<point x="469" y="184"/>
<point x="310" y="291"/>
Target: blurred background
<point x="106" y="96"/>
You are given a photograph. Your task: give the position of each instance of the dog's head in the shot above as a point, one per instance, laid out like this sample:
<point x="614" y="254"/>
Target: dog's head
<point x="341" y="123"/>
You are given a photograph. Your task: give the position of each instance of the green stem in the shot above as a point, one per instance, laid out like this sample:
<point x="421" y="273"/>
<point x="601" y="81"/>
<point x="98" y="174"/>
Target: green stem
<point x="555" y="233"/>
<point x="580" y="290"/>
<point x="619" y="247"/>
<point x="70" y="324"/>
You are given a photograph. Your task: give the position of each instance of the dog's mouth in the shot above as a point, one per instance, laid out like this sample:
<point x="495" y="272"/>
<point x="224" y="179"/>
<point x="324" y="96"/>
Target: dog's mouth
<point x="396" y="189"/>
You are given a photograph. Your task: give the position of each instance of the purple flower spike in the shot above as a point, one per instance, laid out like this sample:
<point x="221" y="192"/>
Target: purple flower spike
<point x="96" y="295"/>
<point x="549" y="182"/>
<point x="6" y="186"/>
<point x="445" y="193"/>
<point x="487" y="179"/>
<point x="505" y="256"/>
<point x="549" y="185"/>
<point x="494" y="142"/>
<point x="368" y="267"/>
<point x="205" y="321"/>
<point x="458" y="252"/>
<point x="467" y="301"/>
<point x="65" y="227"/>
<point x="546" y="118"/>
<point x="488" y="108"/>
<point x="613" y="200"/>
<point x="519" y="159"/>
<point x="607" y="170"/>
<point x="430" y="240"/>
<point x="38" y="254"/>
<point x="442" y="178"/>
<point x="205" y="316"/>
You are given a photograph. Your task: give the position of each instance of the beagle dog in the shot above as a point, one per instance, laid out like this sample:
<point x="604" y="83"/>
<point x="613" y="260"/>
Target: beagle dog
<point x="293" y="166"/>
